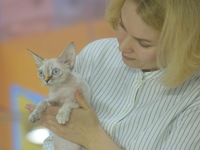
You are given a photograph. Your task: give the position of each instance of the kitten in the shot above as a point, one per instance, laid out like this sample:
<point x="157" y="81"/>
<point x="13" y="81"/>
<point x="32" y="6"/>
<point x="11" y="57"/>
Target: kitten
<point x="56" y="74"/>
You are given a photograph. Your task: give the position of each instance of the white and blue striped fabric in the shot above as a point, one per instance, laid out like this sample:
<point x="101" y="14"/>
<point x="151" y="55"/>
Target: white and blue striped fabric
<point x="134" y="108"/>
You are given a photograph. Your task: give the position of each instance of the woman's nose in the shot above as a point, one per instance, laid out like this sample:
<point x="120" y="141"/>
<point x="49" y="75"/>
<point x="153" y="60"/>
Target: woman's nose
<point x="125" y="44"/>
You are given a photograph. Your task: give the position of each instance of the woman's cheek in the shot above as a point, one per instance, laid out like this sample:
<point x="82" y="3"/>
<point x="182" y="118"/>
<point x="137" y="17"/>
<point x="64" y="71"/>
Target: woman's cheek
<point x="120" y="35"/>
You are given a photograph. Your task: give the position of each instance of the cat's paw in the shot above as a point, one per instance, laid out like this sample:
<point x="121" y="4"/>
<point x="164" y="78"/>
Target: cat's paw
<point x="62" y="117"/>
<point x="34" y="116"/>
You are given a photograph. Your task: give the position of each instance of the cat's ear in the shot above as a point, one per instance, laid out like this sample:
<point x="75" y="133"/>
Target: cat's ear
<point x="68" y="56"/>
<point x="38" y="59"/>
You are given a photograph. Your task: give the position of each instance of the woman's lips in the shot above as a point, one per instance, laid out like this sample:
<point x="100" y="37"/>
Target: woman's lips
<point x="127" y="58"/>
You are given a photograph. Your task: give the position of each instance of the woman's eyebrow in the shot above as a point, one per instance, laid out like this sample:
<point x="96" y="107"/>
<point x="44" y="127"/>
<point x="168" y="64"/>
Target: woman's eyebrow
<point x="137" y="38"/>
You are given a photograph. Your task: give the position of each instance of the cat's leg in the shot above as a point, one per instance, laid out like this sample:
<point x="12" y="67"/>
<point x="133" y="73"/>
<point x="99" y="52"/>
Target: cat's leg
<point x="86" y="91"/>
<point x="37" y="112"/>
<point x="64" y="112"/>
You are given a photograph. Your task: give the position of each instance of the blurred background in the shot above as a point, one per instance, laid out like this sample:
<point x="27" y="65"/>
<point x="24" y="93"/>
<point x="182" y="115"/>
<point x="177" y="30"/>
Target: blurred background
<point x="45" y="27"/>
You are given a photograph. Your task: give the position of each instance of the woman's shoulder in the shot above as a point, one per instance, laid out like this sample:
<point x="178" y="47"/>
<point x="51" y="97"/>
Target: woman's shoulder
<point x="97" y="56"/>
<point x="99" y="48"/>
<point x="102" y="44"/>
<point x="104" y="41"/>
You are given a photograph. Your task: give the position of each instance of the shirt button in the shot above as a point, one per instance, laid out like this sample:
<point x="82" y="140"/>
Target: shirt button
<point x="139" y="81"/>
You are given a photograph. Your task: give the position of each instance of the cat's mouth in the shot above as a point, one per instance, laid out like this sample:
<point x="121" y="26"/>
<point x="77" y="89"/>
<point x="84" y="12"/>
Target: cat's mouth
<point x="47" y="83"/>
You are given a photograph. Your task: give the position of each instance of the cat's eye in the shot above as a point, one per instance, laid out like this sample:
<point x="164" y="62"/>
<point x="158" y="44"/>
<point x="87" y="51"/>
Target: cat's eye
<point x="55" y="71"/>
<point x="40" y="73"/>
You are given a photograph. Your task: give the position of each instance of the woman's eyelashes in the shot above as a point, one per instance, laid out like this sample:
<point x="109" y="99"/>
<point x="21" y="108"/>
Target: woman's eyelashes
<point x="141" y="42"/>
<point x="144" y="44"/>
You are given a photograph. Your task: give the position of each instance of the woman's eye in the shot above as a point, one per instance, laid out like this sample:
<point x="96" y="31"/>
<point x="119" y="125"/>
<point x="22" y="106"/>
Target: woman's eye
<point x="55" y="71"/>
<point x="40" y="73"/>
<point x="144" y="44"/>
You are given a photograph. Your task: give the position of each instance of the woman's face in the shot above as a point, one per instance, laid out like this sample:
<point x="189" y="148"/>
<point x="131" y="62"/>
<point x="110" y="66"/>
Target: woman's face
<point x="137" y="41"/>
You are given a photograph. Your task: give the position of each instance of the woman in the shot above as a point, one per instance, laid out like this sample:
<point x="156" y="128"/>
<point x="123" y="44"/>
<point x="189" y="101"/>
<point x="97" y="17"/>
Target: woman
<point x="145" y="84"/>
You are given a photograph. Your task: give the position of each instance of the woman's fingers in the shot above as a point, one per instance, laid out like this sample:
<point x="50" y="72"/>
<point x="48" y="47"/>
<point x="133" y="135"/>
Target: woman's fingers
<point x="81" y="100"/>
<point x="49" y="123"/>
<point x="30" y="107"/>
<point x="51" y="110"/>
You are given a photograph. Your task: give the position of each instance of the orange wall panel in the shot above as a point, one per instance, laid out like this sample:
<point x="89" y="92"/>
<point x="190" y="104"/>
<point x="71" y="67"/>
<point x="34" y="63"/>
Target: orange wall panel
<point x="18" y="67"/>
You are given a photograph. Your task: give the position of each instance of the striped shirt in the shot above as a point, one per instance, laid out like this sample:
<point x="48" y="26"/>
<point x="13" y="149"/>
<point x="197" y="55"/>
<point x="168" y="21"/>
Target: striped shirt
<point x="134" y="108"/>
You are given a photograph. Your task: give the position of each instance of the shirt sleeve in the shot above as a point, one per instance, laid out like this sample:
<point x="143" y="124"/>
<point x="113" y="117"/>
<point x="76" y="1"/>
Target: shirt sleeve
<point x="84" y="61"/>
<point x="48" y="143"/>
<point x="185" y="133"/>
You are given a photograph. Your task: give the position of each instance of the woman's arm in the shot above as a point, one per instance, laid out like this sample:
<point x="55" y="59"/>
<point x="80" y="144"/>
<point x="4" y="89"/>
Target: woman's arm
<point x="101" y="141"/>
<point x="185" y="131"/>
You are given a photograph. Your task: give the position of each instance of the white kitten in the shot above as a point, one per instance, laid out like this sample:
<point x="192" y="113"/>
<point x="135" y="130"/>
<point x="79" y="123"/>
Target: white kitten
<point x="56" y="74"/>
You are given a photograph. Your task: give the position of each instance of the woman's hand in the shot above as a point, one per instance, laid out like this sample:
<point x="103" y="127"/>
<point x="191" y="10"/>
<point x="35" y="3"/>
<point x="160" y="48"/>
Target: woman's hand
<point x="83" y="128"/>
<point x="83" y="122"/>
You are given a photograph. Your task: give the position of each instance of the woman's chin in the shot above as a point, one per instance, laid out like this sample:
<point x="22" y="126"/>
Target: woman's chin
<point x="131" y="63"/>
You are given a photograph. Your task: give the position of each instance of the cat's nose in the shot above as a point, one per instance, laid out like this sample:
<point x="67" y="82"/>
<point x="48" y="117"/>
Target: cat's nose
<point x="47" y="79"/>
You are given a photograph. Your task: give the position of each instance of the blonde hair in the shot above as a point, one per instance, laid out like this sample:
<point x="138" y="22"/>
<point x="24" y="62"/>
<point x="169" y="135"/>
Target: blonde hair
<point x="179" y="49"/>
<point x="113" y="12"/>
<point x="178" y="23"/>
<point x="151" y="11"/>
